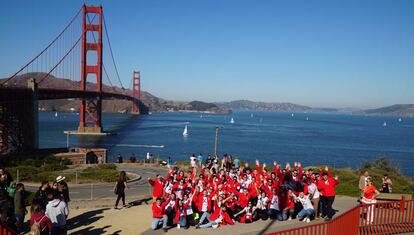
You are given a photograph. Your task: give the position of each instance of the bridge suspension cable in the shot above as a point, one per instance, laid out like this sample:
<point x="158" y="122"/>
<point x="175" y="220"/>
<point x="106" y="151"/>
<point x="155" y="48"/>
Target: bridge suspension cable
<point x="110" y="49"/>
<point x="44" y="50"/>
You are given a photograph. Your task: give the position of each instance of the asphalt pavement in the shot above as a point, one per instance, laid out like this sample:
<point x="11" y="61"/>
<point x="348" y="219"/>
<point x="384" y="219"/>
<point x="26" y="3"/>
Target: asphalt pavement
<point x="106" y="190"/>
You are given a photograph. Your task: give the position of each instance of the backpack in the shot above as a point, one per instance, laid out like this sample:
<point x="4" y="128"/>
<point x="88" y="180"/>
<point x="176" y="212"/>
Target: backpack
<point x="35" y="228"/>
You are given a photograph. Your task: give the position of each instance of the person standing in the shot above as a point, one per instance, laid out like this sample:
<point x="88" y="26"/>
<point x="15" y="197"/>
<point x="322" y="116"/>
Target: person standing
<point x="19" y="206"/>
<point x="119" y="158"/>
<point x="369" y="196"/>
<point x="193" y="160"/>
<point x="314" y="196"/>
<point x="39" y="222"/>
<point x="63" y="188"/>
<point x="119" y="189"/>
<point x="200" y="159"/>
<point x="386" y="184"/>
<point x="158" y="184"/>
<point x="57" y="211"/>
<point x="363" y="182"/>
<point x="327" y="188"/>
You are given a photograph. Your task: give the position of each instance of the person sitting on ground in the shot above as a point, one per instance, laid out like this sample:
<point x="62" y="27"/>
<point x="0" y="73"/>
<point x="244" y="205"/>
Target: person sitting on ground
<point x="219" y="217"/>
<point x="308" y="211"/>
<point x="39" y="223"/>
<point x="247" y="212"/>
<point x="57" y="211"/>
<point x="158" y="215"/>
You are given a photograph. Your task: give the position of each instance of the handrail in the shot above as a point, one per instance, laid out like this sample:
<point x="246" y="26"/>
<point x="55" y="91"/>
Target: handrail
<point x="379" y="218"/>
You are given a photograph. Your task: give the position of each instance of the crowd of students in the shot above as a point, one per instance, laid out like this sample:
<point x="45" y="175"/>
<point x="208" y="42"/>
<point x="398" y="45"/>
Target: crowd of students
<point x="48" y="211"/>
<point x="218" y="192"/>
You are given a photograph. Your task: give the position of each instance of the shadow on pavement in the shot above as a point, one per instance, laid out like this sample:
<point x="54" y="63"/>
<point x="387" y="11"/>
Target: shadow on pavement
<point x="85" y="219"/>
<point x="140" y="202"/>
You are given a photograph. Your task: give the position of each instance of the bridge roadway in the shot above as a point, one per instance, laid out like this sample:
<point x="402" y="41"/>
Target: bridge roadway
<point x="106" y="190"/>
<point x="52" y="93"/>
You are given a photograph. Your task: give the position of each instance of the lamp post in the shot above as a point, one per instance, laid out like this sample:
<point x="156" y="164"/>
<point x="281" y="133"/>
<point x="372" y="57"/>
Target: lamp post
<point x="216" y="139"/>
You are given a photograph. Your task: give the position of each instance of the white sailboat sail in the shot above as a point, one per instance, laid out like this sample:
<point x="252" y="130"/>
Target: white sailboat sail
<point x="232" y="121"/>
<point x="185" y="132"/>
<point x="56" y="114"/>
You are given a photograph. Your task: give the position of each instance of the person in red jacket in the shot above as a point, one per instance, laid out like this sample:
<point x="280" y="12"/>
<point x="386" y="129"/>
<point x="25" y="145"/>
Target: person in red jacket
<point x="219" y="217"/>
<point x="158" y="185"/>
<point x="158" y="215"/>
<point x="327" y="188"/>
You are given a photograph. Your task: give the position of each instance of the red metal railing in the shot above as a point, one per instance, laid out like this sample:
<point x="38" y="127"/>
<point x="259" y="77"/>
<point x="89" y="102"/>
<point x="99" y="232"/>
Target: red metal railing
<point x="5" y="230"/>
<point x="379" y="219"/>
<point x="387" y="218"/>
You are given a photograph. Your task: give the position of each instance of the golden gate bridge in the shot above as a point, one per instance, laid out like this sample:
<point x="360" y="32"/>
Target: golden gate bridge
<point x="75" y="54"/>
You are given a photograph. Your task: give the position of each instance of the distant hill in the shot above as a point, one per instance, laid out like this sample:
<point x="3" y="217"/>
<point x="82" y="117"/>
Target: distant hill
<point x="248" y="105"/>
<point x="396" y="109"/>
<point x="149" y="101"/>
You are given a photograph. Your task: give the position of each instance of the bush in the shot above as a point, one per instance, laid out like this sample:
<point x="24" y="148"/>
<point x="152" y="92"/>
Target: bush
<point x="110" y="166"/>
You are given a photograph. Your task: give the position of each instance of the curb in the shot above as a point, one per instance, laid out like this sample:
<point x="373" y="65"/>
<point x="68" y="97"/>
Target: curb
<point x="73" y="185"/>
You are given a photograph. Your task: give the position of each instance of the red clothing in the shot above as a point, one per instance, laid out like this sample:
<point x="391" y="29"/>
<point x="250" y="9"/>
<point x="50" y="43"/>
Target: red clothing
<point x="157" y="211"/>
<point x="43" y="221"/>
<point x="327" y="188"/>
<point x="158" y="187"/>
<point x="369" y="192"/>
<point x="199" y="202"/>
<point x="225" y="217"/>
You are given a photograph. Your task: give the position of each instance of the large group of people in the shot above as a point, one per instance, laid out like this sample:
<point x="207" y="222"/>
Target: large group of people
<point x="215" y="192"/>
<point x="48" y="211"/>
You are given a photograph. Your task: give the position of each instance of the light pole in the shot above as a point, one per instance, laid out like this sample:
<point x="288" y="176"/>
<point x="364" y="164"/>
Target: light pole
<point x="216" y="139"/>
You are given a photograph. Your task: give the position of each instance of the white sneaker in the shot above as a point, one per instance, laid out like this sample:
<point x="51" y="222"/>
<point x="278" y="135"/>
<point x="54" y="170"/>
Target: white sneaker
<point x="178" y="226"/>
<point x="307" y="220"/>
<point x="290" y="218"/>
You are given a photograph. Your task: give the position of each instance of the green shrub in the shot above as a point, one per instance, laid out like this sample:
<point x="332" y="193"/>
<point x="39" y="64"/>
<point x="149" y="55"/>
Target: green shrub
<point x="111" y="166"/>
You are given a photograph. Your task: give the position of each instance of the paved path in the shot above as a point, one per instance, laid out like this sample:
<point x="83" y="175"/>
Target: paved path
<point x="106" y="190"/>
<point x="137" y="220"/>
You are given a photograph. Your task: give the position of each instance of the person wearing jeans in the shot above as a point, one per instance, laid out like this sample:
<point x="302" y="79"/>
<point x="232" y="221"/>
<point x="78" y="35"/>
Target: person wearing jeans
<point x="158" y="215"/>
<point x="307" y="212"/>
<point x="219" y="217"/>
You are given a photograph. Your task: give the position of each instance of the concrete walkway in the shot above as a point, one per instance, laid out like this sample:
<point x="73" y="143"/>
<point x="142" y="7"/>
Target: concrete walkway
<point x="137" y="220"/>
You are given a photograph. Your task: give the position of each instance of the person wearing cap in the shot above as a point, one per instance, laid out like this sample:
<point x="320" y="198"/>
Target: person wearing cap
<point x="63" y="188"/>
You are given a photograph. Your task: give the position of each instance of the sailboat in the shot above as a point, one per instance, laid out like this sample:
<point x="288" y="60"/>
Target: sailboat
<point x="307" y="118"/>
<point x="251" y="115"/>
<point x="185" y="132"/>
<point x="56" y="114"/>
<point x="384" y="124"/>
<point x="232" y="121"/>
<point x="293" y="115"/>
<point x="399" y="119"/>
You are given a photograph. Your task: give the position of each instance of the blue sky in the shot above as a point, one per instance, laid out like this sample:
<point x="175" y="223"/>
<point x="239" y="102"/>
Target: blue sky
<point x="317" y="53"/>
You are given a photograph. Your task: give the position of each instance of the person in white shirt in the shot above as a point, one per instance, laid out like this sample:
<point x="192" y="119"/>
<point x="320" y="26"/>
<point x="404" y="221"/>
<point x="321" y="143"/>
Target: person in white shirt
<point x="274" y="206"/>
<point x="261" y="206"/>
<point x="314" y="196"/>
<point x="57" y="211"/>
<point x="193" y="161"/>
<point x="307" y="211"/>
